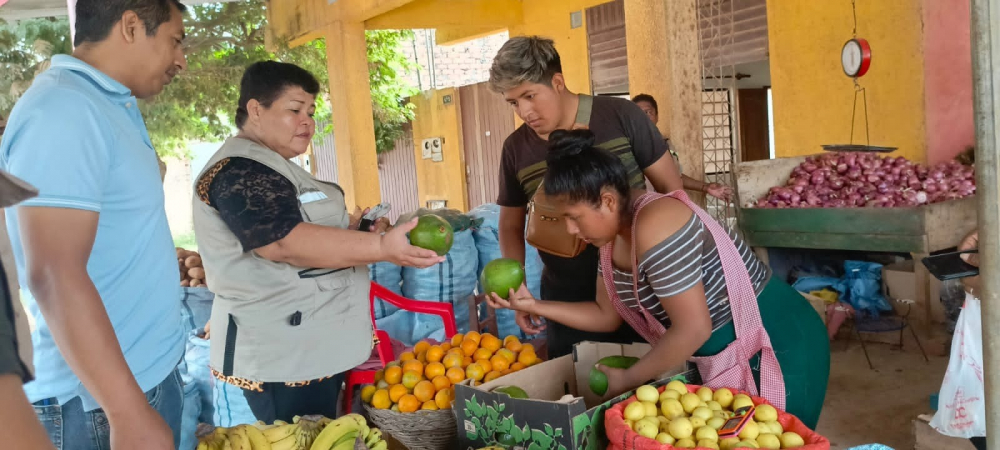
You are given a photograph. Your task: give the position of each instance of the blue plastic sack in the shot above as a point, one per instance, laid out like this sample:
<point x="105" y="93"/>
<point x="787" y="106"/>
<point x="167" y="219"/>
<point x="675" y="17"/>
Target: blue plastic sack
<point x="809" y="284"/>
<point x="487" y="238"/>
<point x="452" y="281"/>
<point x="196" y="306"/>
<point x="231" y="407"/>
<point x="863" y="287"/>
<point x="189" y="418"/>
<point x="197" y="372"/>
<point x="391" y="276"/>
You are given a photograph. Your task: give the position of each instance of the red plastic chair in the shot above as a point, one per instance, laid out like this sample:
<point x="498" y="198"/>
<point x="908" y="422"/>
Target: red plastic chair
<point x="383" y="343"/>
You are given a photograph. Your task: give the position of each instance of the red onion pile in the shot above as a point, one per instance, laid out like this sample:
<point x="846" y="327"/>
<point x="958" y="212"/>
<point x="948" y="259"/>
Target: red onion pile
<point x="847" y="180"/>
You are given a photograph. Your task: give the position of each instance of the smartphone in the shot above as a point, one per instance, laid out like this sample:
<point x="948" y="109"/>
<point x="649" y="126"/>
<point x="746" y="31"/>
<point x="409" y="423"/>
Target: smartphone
<point x="948" y="266"/>
<point x="372" y="215"/>
<point x="735" y="424"/>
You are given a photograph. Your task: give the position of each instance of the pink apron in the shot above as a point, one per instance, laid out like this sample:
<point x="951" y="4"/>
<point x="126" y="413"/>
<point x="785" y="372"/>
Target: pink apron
<point x="730" y="368"/>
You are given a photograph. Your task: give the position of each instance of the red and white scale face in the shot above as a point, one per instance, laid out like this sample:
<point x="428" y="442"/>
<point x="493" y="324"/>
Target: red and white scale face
<point x="855" y="57"/>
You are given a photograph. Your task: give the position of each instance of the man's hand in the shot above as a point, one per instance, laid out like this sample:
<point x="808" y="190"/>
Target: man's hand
<point x="971" y="242"/>
<point x="396" y="248"/>
<point x="143" y="428"/>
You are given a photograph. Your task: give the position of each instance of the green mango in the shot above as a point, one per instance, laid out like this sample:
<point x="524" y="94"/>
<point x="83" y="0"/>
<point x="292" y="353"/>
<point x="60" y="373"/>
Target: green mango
<point x="599" y="381"/>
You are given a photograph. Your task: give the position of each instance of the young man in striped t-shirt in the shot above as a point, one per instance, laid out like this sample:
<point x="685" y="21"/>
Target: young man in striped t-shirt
<point x="528" y="72"/>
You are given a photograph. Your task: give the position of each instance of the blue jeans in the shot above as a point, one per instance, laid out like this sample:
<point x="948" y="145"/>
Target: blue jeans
<point x="70" y="428"/>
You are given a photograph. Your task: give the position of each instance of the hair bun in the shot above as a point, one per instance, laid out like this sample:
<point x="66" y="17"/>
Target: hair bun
<point x="566" y="143"/>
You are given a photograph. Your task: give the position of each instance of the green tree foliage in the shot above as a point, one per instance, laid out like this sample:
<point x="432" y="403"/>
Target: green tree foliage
<point x="222" y="40"/>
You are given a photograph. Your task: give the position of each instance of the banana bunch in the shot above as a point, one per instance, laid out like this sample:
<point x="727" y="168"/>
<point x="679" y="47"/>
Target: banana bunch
<point x="304" y="433"/>
<point x="342" y="433"/>
<point x="240" y="437"/>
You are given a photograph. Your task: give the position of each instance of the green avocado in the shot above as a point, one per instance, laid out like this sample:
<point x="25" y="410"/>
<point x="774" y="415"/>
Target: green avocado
<point x="599" y="381"/>
<point x="512" y="391"/>
<point x="500" y="276"/>
<point x="433" y="233"/>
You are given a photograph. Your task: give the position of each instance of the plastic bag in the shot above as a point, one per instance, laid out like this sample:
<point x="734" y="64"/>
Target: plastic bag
<point x="458" y="220"/>
<point x="621" y="436"/>
<point x="189" y="417"/>
<point x="863" y="287"/>
<point x="961" y="402"/>
<point x="390" y="276"/>
<point x="231" y="407"/>
<point x="452" y="281"/>
<point x="197" y="372"/>
<point x="196" y="306"/>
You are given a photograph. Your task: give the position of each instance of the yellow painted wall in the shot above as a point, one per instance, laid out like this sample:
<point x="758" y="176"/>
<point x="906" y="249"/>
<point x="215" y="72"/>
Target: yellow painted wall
<point x="552" y="19"/>
<point x="812" y="96"/>
<point x="444" y="180"/>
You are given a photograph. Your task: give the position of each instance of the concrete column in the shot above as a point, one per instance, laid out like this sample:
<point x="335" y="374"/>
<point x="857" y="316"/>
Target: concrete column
<point x="664" y="61"/>
<point x="353" y="127"/>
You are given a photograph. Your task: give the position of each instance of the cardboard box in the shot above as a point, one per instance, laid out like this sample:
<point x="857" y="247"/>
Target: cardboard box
<point x="485" y="418"/>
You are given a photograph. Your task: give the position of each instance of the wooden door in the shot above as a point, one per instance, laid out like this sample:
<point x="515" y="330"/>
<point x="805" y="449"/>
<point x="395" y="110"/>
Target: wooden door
<point x="487" y="120"/>
<point x="754" y="140"/>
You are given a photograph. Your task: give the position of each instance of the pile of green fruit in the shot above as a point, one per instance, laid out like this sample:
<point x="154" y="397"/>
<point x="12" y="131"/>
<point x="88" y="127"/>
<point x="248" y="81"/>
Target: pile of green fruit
<point x="304" y="433"/>
<point x="687" y="419"/>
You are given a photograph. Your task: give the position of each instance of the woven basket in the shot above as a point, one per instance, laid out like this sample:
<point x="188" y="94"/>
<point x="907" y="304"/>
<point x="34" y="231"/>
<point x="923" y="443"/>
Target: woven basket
<point x="421" y="430"/>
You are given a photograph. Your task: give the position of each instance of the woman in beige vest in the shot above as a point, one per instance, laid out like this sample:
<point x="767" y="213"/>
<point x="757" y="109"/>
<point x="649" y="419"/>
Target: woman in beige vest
<point x="283" y="256"/>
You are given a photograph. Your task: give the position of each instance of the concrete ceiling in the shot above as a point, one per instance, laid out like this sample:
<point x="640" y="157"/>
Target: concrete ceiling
<point x="25" y="9"/>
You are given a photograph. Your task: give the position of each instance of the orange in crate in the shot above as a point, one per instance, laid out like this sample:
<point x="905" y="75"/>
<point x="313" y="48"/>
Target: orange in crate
<point x="453" y="360"/>
<point x="409" y="403"/>
<point x="441" y="382"/>
<point x="444" y="398"/>
<point x="469" y="347"/>
<point x="393" y="375"/>
<point x="482" y="353"/>
<point x="397" y="391"/>
<point x="434" y="369"/>
<point x="421" y="347"/>
<point x="411" y="378"/>
<point x="435" y="354"/>
<point x="500" y="363"/>
<point x="473" y="336"/>
<point x="457" y="339"/>
<point x="490" y="342"/>
<point x="424" y="391"/>
<point x="455" y="375"/>
<point x="475" y="372"/>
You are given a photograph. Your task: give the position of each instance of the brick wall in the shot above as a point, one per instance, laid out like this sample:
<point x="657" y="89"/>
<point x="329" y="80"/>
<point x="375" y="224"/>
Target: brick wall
<point x="455" y="65"/>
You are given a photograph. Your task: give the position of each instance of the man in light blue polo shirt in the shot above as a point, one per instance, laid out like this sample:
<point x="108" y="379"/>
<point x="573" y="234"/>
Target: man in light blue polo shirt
<point x="93" y="247"/>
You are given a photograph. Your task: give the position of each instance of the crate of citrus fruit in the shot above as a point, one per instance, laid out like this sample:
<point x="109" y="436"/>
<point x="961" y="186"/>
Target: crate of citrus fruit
<point x="679" y="415"/>
<point x="412" y="397"/>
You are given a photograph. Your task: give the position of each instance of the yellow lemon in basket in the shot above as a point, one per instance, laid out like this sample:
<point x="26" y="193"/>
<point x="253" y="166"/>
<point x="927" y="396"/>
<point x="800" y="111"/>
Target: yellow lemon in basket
<point x="635" y="411"/>
<point x="705" y="393"/>
<point x="740" y="402"/>
<point x="685" y="443"/>
<point x="775" y="428"/>
<point x="690" y="402"/>
<point x="729" y="443"/>
<point x="706" y="434"/>
<point x="678" y="386"/>
<point x="670" y="394"/>
<point x="765" y="413"/>
<point x="750" y="431"/>
<point x="671" y="408"/>
<point x="769" y="441"/>
<point x="665" y="438"/>
<point x="647" y="393"/>
<point x="714" y="405"/>
<point x="790" y="440"/>
<point x="702" y="412"/>
<point x="647" y="429"/>
<point x="651" y="409"/>
<point x="724" y="396"/>
<point x="716" y="423"/>
<point x="747" y="443"/>
<point x="708" y="444"/>
<point x="697" y="422"/>
<point x="680" y="428"/>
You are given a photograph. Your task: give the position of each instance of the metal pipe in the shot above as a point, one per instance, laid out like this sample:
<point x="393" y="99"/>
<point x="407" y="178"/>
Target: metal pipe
<point x="985" y="33"/>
